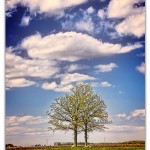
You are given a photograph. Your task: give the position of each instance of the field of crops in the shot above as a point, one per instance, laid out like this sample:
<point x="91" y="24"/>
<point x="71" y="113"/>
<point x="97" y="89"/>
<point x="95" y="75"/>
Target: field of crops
<point x="98" y="147"/>
<point x="95" y="148"/>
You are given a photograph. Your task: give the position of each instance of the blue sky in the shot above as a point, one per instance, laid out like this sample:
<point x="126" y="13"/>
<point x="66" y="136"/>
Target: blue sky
<point x="51" y="46"/>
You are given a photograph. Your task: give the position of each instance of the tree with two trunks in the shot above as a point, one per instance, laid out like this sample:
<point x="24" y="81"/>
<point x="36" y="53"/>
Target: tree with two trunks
<point x="82" y="110"/>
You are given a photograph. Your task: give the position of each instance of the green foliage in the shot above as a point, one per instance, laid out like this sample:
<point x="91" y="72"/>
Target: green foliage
<point x="81" y="110"/>
<point x="93" y="109"/>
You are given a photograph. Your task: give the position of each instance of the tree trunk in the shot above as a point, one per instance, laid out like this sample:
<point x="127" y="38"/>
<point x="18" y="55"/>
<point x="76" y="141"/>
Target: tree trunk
<point x="75" y="136"/>
<point x="85" y="135"/>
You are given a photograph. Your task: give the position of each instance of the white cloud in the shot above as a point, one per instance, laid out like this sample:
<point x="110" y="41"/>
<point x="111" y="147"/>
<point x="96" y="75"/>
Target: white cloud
<point x="90" y="10"/>
<point x="22" y="120"/>
<point x="101" y="84"/>
<point x="138" y="113"/>
<point x="47" y="7"/>
<point x="75" y="77"/>
<point x="9" y="49"/>
<point x="125" y="128"/>
<point x="49" y="86"/>
<point x="65" y="82"/>
<point x="64" y="88"/>
<point x="84" y="23"/>
<point x="16" y="129"/>
<point x="101" y="13"/>
<point x="87" y="23"/>
<point x="21" y="130"/>
<point x="134" y="17"/>
<point x="134" y="25"/>
<point x="25" y="21"/>
<point x="85" y="26"/>
<point x="121" y="115"/>
<point x="105" y="84"/>
<point x="19" y="82"/>
<point x="106" y="67"/>
<point x="21" y="67"/>
<point x="55" y="87"/>
<point x="141" y="68"/>
<point x="68" y="47"/>
<point x="75" y="67"/>
<point x="94" y="84"/>
<point x="123" y="8"/>
<point x="24" y="130"/>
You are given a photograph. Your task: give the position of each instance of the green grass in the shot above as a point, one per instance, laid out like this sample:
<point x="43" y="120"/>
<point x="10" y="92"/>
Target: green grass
<point x="96" y="148"/>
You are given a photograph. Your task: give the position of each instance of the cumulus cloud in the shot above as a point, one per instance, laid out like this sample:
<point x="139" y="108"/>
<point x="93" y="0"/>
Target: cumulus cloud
<point x="85" y="26"/>
<point x="47" y="7"/>
<point x="18" y="69"/>
<point x="49" y="86"/>
<point x="25" y="21"/>
<point x="24" y="131"/>
<point x="123" y="9"/>
<point x="134" y="17"/>
<point x="134" y="25"/>
<point x="55" y="87"/>
<point x="121" y="115"/>
<point x="20" y="125"/>
<point x="105" y="84"/>
<point x="21" y="67"/>
<point x="141" y="68"/>
<point x="45" y="52"/>
<point x="106" y="67"/>
<point x="135" y="114"/>
<point x="25" y="125"/>
<point x="88" y="21"/>
<point x="101" y="13"/>
<point x="75" y="67"/>
<point x="63" y="88"/>
<point x="27" y="119"/>
<point x="139" y="113"/>
<point x="68" y="46"/>
<point x="84" y="23"/>
<point x="90" y="10"/>
<point x="19" y="82"/>
<point x="75" y="77"/>
<point x="9" y="49"/>
<point x="66" y="81"/>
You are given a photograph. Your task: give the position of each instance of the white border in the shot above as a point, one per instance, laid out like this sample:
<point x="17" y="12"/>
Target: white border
<point x="2" y="71"/>
<point x="147" y="104"/>
<point x="2" y="91"/>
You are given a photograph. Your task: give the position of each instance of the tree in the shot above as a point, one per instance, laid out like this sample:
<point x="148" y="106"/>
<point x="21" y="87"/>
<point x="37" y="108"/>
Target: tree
<point x="81" y="110"/>
<point x="93" y="113"/>
<point x="64" y="114"/>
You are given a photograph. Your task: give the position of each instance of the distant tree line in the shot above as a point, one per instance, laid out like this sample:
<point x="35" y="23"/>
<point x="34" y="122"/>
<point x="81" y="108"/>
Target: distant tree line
<point x="82" y="110"/>
<point x="9" y="145"/>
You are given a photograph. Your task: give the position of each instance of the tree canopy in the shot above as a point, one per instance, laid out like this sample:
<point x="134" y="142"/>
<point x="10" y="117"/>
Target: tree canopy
<point x="80" y="110"/>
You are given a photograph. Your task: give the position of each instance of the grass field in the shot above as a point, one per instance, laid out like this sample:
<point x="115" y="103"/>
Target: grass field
<point x="96" y="148"/>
